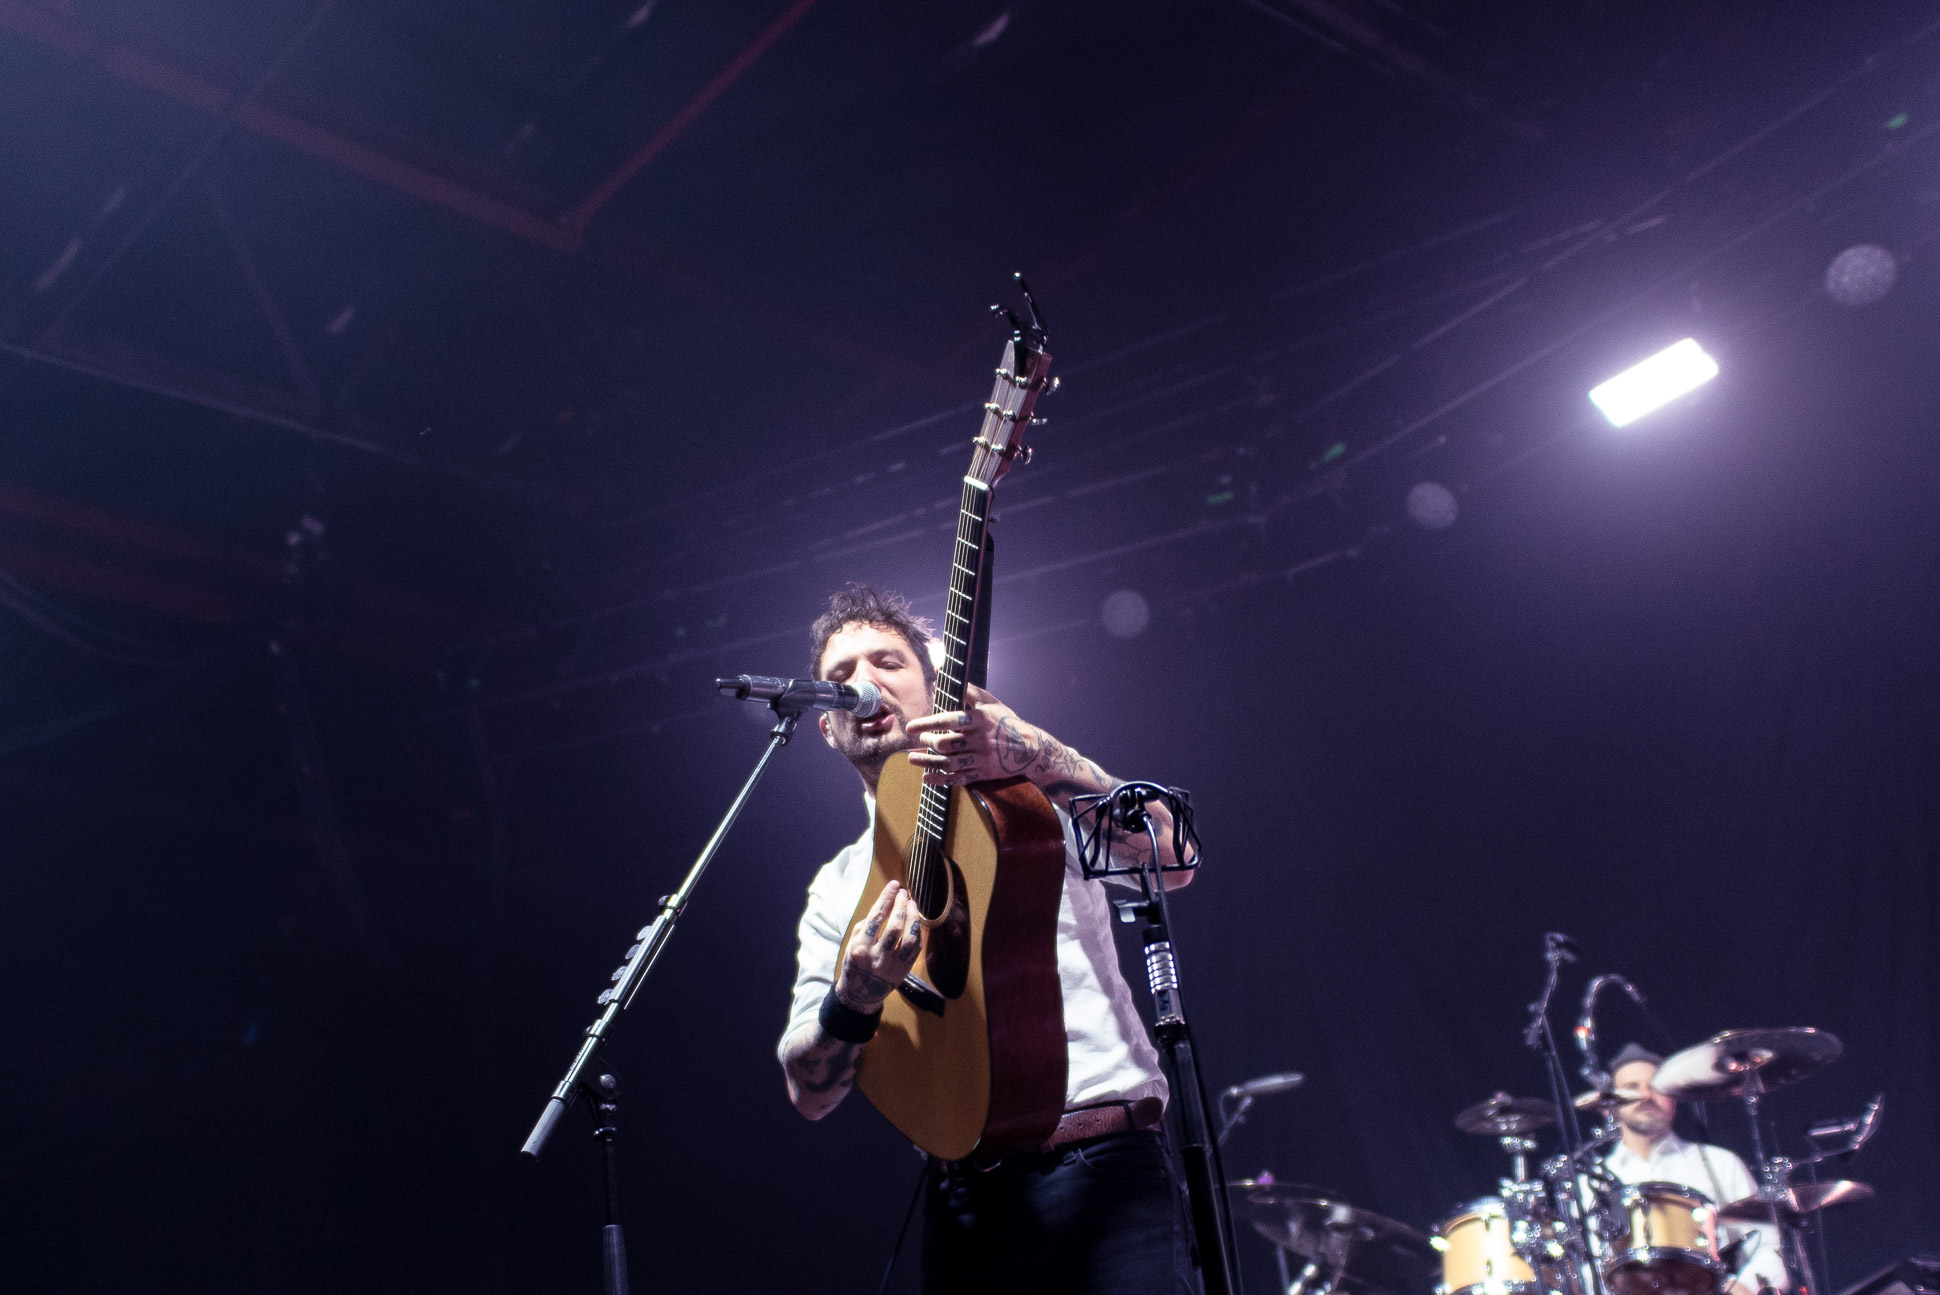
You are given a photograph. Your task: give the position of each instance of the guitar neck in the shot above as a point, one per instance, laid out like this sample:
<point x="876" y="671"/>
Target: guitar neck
<point x="1020" y="378"/>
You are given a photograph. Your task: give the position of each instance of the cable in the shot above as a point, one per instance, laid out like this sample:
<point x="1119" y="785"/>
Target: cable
<point x="895" y="1251"/>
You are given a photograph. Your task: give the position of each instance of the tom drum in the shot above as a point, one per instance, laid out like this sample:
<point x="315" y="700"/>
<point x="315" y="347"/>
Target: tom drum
<point x="1478" y="1249"/>
<point x="1665" y="1241"/>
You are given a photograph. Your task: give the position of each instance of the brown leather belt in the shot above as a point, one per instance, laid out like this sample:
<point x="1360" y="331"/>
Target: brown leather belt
<point x="1103" y="1121"/>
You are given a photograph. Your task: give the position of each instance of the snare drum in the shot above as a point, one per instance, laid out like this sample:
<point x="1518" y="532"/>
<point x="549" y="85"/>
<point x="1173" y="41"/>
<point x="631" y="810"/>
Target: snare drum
<point x="1666" y="1241"/>
<point x="1479" y="1253"/>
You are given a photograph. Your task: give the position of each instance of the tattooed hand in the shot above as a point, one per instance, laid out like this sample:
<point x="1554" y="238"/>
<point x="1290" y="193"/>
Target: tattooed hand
<point x="881" y="951"/>
<point x="982" y="742"/>
<point x="986" y="741"/>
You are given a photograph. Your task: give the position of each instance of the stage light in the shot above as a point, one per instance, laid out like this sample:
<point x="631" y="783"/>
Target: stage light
<point x="1432" y="505"/>
<point x="1126" y="614"/>
<point x="1861" y="275"/>
<point x="1657" y="381"/>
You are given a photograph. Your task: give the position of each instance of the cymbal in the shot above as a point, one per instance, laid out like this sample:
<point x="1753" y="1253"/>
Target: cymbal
<point x="1598" y="1100"/>
<point x="1376" y="1255"/>
<point x="1800" y="1201"/>
<point x="1722" y="1065"/>
<point x="1503" y="1116"/>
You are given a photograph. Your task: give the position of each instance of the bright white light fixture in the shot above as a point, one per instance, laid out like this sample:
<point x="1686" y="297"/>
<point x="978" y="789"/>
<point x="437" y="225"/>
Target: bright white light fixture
<point x="1657" y="381"/>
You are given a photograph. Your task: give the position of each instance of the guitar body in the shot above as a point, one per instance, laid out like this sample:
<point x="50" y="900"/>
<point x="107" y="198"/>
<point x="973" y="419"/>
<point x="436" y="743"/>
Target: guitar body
<point x="970" y="1055"/>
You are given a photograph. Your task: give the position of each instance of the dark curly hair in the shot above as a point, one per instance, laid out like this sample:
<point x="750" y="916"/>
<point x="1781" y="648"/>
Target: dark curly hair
<point x="861" y="605"/>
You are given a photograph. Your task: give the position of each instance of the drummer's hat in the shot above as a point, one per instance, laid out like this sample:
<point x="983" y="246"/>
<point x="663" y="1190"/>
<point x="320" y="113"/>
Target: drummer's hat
<point x="1634" y="1052"/>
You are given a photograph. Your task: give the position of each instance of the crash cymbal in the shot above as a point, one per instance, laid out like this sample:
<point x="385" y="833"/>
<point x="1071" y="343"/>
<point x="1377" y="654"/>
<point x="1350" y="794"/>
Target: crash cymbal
<point x="1599" y="1100"/>
<point x="1800" y="1201"/>
<point x="1503" y="1116"/>
<point x="1375" y="1255"/>
<point x="1722" y="1066"/>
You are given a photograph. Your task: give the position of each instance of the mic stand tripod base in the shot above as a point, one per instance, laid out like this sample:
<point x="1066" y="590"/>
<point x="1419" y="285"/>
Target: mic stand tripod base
<point x="602" y="1096"/>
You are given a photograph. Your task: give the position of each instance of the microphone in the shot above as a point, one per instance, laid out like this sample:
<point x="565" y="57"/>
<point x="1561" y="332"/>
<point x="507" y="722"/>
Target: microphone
<point x="863" y="700"/>
<point x="1860" y="1129"/>
<point x="1265" y="1084"/>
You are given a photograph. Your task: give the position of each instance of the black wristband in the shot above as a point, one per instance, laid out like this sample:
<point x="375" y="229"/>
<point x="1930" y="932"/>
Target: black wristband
<point x="840" y="1021"/>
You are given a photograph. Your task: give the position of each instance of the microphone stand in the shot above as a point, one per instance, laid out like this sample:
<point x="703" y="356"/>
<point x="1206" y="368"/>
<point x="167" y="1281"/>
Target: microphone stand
<point x="602" y="1093"/>
<point x="1539" y="1037"/>
<point x="1124" y="808"/>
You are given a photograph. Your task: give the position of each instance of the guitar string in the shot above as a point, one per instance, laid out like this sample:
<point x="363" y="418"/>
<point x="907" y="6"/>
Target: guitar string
<point x="933" y="803"/>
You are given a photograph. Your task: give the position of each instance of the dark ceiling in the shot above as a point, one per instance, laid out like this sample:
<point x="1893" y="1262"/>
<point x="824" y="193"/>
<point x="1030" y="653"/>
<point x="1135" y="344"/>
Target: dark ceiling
<point x="408" y="409"/>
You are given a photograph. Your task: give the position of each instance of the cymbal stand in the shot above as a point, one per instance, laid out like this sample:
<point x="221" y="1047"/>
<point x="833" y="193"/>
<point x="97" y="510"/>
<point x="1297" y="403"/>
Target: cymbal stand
<point x="1518" y="1147"/>
<point x="1774" y="1185"/>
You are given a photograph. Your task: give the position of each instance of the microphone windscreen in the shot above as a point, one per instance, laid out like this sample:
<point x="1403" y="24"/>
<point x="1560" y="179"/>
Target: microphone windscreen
<point x="868" y="700"/>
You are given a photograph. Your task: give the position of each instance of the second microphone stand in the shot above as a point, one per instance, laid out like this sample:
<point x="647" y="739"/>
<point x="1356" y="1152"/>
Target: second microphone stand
<point x="1123" y="810"/>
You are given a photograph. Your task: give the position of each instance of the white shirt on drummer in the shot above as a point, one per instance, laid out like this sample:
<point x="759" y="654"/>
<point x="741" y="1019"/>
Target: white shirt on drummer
<point x="1721" y="1176"/>
<point x="1108" y="1055"/>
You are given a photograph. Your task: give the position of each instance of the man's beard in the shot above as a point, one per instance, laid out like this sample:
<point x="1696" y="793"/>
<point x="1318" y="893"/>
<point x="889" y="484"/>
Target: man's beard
<point x="868" y="753"/>
<point x="1650" y="1123"/>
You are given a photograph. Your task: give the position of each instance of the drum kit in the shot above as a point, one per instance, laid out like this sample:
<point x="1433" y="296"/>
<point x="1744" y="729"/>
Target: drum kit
<point x="1572" y="1228"/>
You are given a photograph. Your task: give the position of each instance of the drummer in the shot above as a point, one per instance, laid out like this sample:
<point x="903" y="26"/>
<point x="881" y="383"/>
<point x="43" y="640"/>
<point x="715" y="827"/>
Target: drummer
<point x="1651" y="1153"/>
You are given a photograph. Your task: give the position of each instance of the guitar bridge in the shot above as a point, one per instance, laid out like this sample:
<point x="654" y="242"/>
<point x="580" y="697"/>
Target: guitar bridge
<point x="921" y="995"/>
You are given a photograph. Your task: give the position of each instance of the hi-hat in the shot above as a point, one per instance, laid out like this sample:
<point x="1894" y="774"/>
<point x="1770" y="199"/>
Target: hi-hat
<point x="1503" y="1116"/>
<point x="1799" y="1201"/>
<point x="1724" y="1065"/>
<point x="1373" y="1254"/>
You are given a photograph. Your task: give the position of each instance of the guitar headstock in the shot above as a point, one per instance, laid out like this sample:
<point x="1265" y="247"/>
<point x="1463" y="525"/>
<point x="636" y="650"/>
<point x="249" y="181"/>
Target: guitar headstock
<point x="1022" y="376"/>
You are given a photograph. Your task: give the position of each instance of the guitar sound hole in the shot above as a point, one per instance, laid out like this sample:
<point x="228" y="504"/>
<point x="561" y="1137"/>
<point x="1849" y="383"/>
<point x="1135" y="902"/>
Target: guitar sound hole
<point x="946" y="947"/>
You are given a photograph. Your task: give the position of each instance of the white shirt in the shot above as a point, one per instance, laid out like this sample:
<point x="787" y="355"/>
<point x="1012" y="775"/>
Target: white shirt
<point x="1723" y="1177"/>
<point x="1108" y="1056"/>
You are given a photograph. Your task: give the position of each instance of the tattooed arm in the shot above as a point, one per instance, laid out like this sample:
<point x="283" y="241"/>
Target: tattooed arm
<point x="821" y="1070"/>
<point x="988" y="740"/>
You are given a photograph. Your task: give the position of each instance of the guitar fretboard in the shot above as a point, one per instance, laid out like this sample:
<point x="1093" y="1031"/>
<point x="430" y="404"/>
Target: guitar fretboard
<point x="928" y="883"/>
<point x="1020" y="377"/>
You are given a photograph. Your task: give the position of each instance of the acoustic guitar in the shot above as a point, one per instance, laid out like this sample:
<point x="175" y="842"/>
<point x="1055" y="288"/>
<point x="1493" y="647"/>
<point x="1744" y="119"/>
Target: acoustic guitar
<point x="970" y="1054"/>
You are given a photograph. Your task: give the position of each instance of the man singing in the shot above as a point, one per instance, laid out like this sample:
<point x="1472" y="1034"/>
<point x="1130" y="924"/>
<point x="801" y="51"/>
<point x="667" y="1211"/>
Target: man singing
<point x="1651" y="1153"/>
<point x="1092" y="1211"/>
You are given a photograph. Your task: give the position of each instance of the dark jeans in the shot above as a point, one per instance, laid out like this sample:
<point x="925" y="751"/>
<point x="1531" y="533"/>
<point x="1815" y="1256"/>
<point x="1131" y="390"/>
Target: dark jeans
<point x="1095" y="1218"/>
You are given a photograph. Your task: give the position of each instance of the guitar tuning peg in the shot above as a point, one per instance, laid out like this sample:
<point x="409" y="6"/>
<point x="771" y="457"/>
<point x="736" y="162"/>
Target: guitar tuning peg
<point x="1039" y="421"/>
<point x="1027" y="453"/>
<point x="1054" y="384"/>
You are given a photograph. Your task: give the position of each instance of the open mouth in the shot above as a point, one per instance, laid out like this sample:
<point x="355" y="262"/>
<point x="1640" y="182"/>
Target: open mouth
<point x="877" y="724"/>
